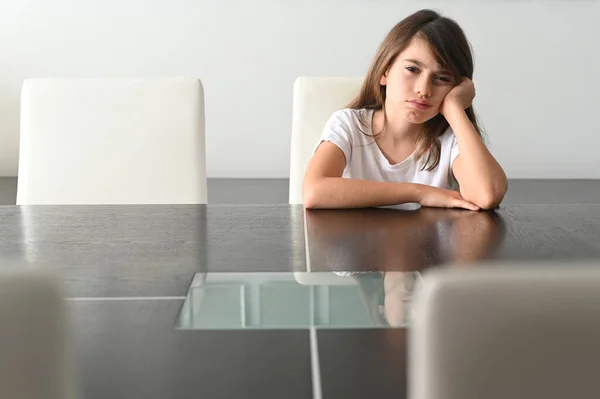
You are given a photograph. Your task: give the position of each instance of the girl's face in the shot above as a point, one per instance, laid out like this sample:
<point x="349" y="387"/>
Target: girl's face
<point x="416" y="84"/>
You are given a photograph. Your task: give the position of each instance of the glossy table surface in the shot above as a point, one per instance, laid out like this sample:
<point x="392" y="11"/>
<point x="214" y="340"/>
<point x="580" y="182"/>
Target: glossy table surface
<point x="127" y="271"/>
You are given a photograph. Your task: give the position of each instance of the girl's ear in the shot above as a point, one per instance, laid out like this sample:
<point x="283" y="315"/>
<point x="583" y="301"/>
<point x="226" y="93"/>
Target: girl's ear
<point x="383" y="80"/>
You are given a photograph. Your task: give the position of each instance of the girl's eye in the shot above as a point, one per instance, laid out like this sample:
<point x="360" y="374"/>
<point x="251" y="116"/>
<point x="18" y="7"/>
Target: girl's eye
<point x="444" y="79"/>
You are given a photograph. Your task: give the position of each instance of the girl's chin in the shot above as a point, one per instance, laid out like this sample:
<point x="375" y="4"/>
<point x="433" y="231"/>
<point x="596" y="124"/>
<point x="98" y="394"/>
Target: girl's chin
<point x="419" y="117"/>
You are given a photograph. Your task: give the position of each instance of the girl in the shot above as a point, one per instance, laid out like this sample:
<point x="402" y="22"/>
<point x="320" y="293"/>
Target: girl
<point x="410" y="136"/>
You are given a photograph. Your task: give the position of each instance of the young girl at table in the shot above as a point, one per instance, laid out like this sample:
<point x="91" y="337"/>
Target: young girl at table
<point x="410" y="136"/>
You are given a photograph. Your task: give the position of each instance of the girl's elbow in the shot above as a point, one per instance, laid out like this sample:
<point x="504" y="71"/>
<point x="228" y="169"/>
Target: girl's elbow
<point x="490" y="199"/>
<point x="310" y="196"/>
<point x="488" y="203"/>
<point x="309" y="202"/>
<point x="485" y="197"/>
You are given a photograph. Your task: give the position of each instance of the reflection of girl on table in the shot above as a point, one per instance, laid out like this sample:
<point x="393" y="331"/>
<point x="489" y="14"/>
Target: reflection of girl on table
<point x="387" y="296"/>
<point x="467" y="237"/>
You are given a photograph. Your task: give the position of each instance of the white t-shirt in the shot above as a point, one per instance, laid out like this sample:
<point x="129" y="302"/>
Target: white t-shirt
<point x="365" y="161"/>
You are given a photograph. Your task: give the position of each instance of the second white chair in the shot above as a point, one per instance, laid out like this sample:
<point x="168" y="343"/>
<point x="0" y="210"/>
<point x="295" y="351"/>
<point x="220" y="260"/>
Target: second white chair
<point x="112" y="141"/>
<point x="315" y="99"/>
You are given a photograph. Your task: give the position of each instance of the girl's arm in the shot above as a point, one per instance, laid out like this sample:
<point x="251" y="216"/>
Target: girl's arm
<point x="323" y="187"/>
<point x="481" y="178"/>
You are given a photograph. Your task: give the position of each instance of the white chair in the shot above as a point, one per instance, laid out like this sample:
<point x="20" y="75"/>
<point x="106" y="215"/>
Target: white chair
<point x="112" y="141"/>
<point x="315" y="99"/>
<point x="36" y="358"/>
<point x="509" y="330"/>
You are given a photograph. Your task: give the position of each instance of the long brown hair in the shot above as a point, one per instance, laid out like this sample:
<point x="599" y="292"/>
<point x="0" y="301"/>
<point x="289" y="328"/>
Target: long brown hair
<point x="451" y="50"/>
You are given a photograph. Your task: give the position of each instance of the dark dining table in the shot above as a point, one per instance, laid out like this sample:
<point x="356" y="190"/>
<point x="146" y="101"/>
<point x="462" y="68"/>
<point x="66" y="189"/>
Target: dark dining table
<point x="127" y="269"/>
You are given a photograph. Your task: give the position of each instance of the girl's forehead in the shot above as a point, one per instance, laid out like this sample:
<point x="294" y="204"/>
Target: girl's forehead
<point x="420" y="52"/>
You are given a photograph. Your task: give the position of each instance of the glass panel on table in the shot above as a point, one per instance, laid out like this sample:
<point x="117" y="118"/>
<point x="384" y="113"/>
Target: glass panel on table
<point x="225" y="301"/>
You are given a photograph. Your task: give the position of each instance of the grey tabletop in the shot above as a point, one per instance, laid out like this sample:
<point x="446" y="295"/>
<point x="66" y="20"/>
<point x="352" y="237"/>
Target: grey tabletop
<point x="127" y="268"/>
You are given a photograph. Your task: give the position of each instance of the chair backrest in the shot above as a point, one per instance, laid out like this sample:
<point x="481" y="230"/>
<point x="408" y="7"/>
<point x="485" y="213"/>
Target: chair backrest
<point x="112" y="141"/>
<point x="36" y="358"/>
<point x="507" y="331"/>
<point x="314" y="100"/>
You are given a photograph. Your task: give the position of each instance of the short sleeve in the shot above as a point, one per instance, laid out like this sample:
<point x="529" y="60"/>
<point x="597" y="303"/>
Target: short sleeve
<point x="338" y="131"/>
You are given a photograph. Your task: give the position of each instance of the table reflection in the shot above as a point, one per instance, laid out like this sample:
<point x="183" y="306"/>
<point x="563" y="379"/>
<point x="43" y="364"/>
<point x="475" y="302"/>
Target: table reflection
<point x="381" y="239"/>
<point x="384" y="250"/>
<point x="364" y="268"/>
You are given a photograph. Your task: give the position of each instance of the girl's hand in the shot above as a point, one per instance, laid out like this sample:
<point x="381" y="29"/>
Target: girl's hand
<point x="443" y="198"/>
<point x="459" y="98"/>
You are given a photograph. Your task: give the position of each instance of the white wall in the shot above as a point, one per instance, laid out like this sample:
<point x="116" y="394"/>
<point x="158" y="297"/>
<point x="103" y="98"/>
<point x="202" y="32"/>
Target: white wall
<point x="537" y="67"/>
